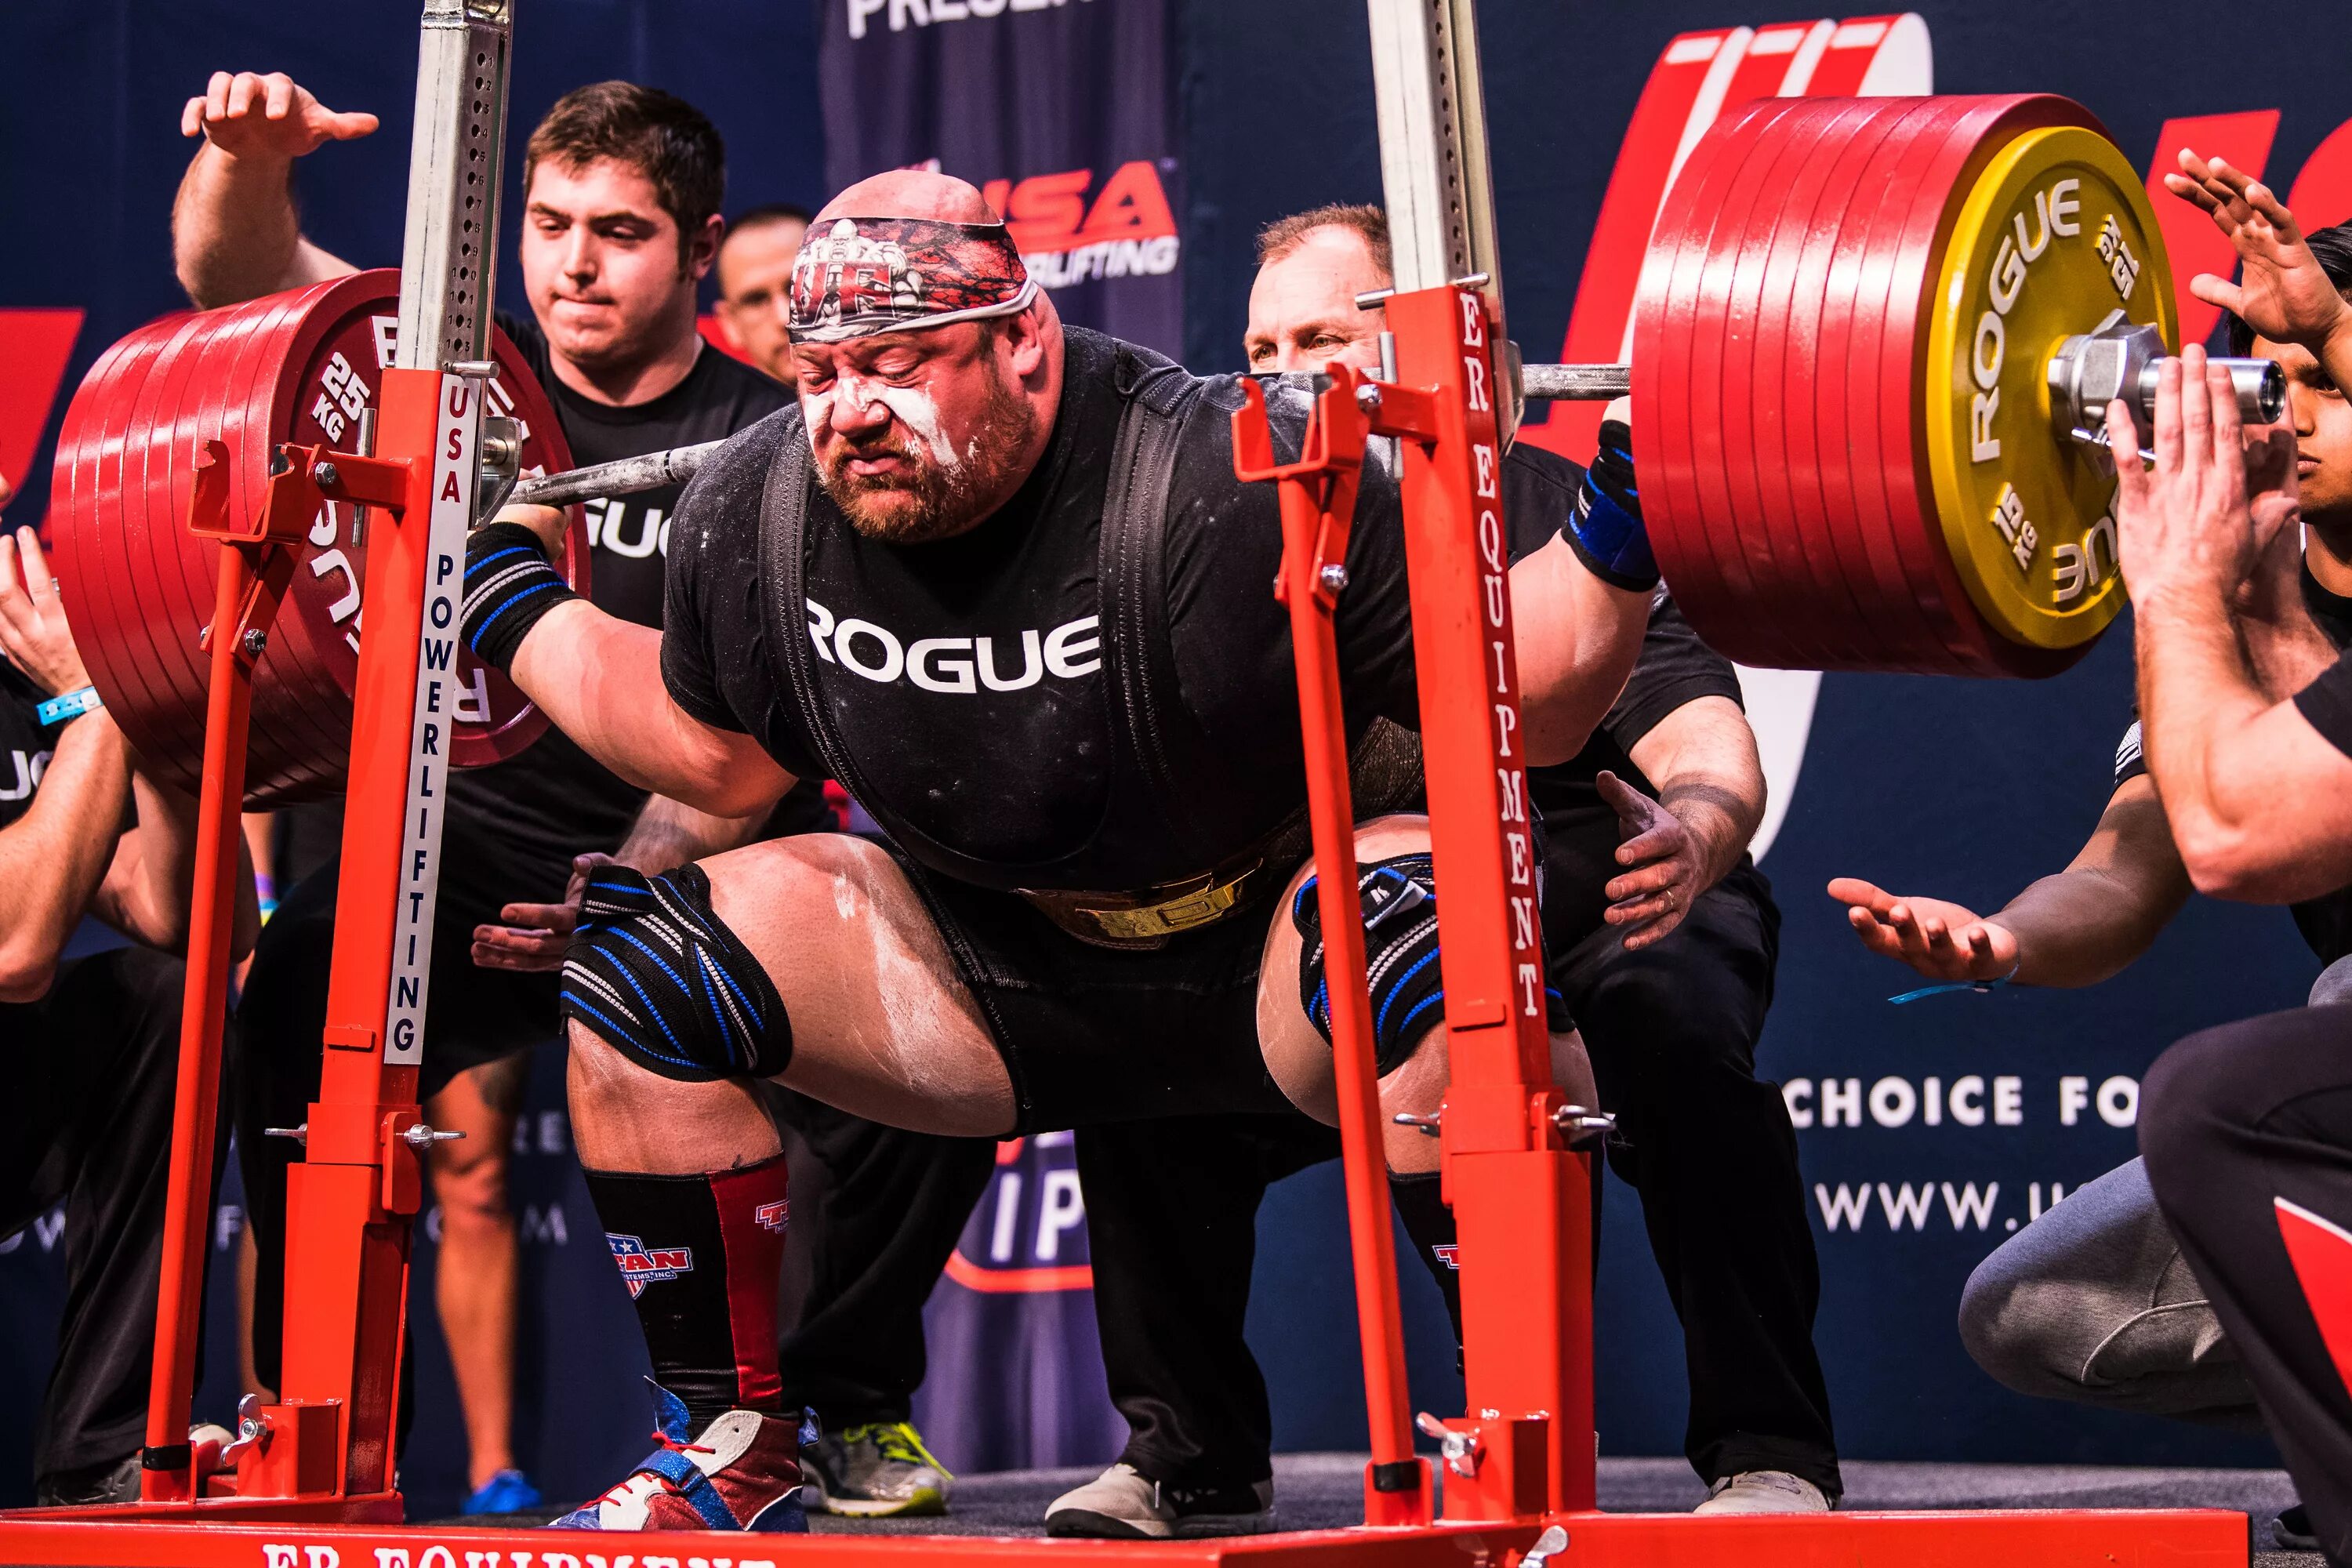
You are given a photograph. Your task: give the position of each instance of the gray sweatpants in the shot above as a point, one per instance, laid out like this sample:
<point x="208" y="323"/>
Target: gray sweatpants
<point x="2093" y="1302"/>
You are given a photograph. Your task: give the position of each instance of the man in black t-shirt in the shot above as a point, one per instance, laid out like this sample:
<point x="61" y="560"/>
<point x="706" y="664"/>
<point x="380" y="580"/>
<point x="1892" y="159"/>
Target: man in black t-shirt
<point x="89" y="1046"/>
<point x="999" y="578"/>
<point x="1669" y="1002"/>
<point x="622" y="190"/>
<point x="2103" y="1299"/>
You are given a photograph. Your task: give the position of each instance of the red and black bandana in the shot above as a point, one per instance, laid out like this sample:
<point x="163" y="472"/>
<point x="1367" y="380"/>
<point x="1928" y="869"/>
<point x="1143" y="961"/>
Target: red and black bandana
<point x="858" y="276"/>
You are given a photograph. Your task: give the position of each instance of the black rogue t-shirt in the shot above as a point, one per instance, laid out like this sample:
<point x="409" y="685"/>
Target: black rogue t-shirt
<point x="25" y="746"/>
<point x="2325" y="921"/>
<point x="515" y="825"/>
<point x="966" y="676"/>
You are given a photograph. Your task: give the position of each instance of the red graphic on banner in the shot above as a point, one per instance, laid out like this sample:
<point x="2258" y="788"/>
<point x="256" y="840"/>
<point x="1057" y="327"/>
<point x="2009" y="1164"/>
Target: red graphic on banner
<point x="2189" y="237"/>
<point x="34" y="346"/>
<point x="2323" y="192"/>
<point x="1126" y="228"/>
<point x="1697" y="76"/>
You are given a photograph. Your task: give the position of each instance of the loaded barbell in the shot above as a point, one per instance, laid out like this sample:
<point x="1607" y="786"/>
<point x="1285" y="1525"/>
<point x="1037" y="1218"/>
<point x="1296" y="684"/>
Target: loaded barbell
<point x="1872" y="349"/>
<point x="303" y="367"/>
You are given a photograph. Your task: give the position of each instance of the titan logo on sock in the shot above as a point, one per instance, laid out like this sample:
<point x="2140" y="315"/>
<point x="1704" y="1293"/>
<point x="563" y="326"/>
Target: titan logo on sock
<point x="641" y="1266"/>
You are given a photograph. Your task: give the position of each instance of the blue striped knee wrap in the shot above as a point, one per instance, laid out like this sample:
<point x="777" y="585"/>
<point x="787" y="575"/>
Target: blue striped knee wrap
<point x="652" y="969"/>
<point x="1399" y="898"/>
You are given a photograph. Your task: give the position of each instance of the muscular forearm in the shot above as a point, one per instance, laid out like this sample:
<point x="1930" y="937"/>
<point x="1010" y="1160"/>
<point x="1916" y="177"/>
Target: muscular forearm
<point x="2286" y="649"/>
<point x="53" y="858"/>
<point x="2078" y="927"/>
<point x="1576" y="643"/>
<point x="599" y="678"/>
<point x="150" y="890"/>
<point x="1703" y="759"/>
<point x="2198" y="703"/>
<point x="670" y="834"/>
<point x="235" y="232"/>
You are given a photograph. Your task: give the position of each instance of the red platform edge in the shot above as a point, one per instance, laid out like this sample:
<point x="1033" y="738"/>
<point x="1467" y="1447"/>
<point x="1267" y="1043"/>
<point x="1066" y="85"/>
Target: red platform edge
<point x="2139" y="1538"/>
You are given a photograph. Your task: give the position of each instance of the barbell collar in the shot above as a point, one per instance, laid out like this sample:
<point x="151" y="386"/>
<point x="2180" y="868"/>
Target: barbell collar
<point x="2121" y="360"/>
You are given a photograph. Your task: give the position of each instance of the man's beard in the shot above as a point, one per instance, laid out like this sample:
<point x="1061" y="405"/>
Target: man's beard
<point x="926" y="500"/>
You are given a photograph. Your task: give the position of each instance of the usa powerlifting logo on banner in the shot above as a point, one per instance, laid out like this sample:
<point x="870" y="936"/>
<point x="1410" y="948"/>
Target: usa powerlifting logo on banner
<point x="1072" y="231"/>
<point x="641" y="1266"/>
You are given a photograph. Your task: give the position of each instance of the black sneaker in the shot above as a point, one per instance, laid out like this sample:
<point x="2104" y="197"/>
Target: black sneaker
<point x="2292" y="1529"/>
<point x="1123" y="1504"/>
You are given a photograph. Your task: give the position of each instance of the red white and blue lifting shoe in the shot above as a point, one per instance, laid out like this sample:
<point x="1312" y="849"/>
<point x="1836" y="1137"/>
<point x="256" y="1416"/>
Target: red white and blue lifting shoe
<point x="741" y="1471"/>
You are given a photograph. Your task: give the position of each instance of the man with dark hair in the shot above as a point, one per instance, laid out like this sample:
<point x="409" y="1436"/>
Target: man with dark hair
<point x="622" y="191"/>
<point x="92" y="1043"/>
<point x="2096" y="1301"/>
<point x="1661" y="938"/>
<point x="755" y="283"/>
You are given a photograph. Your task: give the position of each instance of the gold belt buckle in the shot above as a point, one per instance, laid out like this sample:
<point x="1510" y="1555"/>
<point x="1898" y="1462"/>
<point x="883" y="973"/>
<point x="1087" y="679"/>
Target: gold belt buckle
<point x="1182" y="912"/>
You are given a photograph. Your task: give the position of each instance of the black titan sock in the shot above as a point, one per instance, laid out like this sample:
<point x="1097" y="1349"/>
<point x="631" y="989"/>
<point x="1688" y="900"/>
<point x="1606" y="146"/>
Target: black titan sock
<point x="1430" y="1223"/>
<point x="702" y="1256"/>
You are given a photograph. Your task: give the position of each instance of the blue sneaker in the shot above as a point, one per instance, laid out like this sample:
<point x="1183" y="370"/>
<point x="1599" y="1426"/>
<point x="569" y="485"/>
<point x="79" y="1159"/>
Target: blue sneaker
<point x="508" y="1491"/>
<point x="741" y="1472"/>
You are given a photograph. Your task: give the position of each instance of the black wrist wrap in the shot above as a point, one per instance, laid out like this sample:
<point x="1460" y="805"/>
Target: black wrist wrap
<point x="509" y="584"/>
<point x="1606" y="526"/>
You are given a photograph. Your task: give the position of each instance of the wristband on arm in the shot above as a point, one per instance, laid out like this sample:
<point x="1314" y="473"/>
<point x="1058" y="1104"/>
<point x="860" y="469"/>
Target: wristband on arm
<point x="509" y="584"/>
<point x="67" y="705"/>
<point x="1606" y="525"/>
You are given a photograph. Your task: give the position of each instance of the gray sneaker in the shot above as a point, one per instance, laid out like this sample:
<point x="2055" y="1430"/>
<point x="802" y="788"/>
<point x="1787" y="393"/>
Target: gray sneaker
<point x="1123" y="1504"/>
<point x="879" y="1470"/>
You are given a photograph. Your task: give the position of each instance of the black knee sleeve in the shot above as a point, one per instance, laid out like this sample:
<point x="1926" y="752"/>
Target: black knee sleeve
<point x="655" y="971"/>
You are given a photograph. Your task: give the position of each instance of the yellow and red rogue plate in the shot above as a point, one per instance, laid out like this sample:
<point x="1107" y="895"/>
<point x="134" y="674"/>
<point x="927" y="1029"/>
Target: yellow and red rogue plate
<point x="1809" y="413"/>
<point x="297" y="367"/>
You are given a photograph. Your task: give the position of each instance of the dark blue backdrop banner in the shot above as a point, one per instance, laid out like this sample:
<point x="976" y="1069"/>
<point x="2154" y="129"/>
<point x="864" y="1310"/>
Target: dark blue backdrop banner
<point x="1058" y="110"/>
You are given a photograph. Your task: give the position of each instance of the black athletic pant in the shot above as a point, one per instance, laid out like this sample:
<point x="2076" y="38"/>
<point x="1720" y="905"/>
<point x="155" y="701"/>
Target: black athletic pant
<point x="1672" y="1029"/>
<point x="887" y="1209"/>
<point x="1672" y="1032"/>
<point x="2232" y="1120"/>
<point x="86" y="1119"/>
<point x="1171" y="1227"/>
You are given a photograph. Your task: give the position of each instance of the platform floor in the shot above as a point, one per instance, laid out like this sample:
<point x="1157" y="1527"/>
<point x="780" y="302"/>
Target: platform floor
<point x="1322" y="1490"/>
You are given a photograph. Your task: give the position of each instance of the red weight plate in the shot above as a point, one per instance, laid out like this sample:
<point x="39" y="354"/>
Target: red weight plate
<point x="155" y="637"/>
<point x="1813" y="395"/>
<point x="1711" y="568"/>
<point x="92" y="466"/>
<point x="245" y="359"/>
<point x="1735" y="188"/>
<point x="1754" y="471"/>
<point x="1662" y="414"/>
<point x="1852" y="337"/>
<point x="1971" y="145"/>
<point x="1789" y="312"/>
<point x="1723" y="359"/>
<point x="229" y="400"/>
<point x="313" y="673"/>
<point x="1832" y="247"/>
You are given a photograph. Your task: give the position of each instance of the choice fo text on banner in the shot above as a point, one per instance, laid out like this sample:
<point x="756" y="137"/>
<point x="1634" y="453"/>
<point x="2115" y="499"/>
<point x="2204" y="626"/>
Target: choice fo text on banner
<point x="1060" y="110"/>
